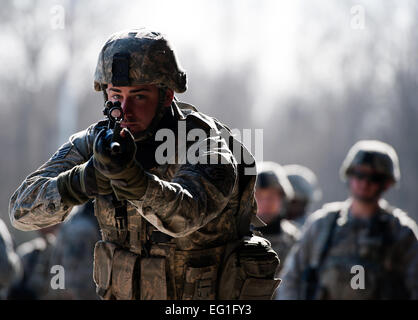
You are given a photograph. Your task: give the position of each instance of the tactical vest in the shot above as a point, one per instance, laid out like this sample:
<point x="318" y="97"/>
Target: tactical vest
<point x="136" y="261"/>
<point x="340" y="273"/>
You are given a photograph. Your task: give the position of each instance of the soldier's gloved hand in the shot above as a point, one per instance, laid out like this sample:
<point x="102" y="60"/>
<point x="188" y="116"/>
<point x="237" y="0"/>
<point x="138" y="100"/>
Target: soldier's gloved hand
<point x="127" y="176"/>
<point x="82" y="182"/>
<point x="108" y="163"/>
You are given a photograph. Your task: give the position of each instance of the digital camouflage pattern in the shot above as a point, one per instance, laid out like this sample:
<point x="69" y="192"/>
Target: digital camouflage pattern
<point x="10" y="266"/>
<point x="194" y="207"/>
<point x="138" y="56"/>
<point x="74" y="251"/>
<point x="386" y="246"/>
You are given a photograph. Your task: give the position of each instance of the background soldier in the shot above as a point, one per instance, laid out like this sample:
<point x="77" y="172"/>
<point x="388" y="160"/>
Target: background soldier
<point x="74" y="251"/>
<point x="10" y="266"/>
<point x="35" y="283"/>
<point x="306" y="191"/>
<point x="364" y="232"/>
<point x="175" y="221"/>
<point x="273" y="192"/>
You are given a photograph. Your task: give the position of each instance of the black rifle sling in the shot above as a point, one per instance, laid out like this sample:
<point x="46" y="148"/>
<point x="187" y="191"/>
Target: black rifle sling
<point x="327" y="244"/>
<point x="310" y="275"/>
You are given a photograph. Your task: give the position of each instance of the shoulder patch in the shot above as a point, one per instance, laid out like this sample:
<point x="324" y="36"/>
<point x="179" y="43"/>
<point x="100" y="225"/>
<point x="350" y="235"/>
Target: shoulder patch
<point x="62" y="152"/>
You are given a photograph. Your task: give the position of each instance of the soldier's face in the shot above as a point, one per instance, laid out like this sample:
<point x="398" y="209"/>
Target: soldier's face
<point x="366" y="184"/>
<point x="269" y="202"/>
<point x="296" y="208"/>
<point x="139" y="104"/>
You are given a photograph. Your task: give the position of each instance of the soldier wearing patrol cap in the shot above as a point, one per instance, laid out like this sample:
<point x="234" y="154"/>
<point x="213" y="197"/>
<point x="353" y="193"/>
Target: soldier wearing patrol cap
<point x="362" y="248"/>
<point x="171" y="229"/>
<point x="306" y="191"/>
<point x="273" y="192"/>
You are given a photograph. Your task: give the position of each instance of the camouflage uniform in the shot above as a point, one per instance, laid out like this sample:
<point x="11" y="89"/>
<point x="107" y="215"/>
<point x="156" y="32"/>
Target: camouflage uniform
<point x="36" y="281"/>
<point x="174" y="236"/>
<point x="281" y="233"/>
<point x="10" y="267"/>
<point x="336" y="246"/>
<point x="74" y="251"/>
<point x="386" y="246"/>
<point x="194" y="205"/>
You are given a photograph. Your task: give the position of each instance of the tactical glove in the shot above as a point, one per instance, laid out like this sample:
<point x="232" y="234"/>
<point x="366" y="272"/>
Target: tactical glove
<point x="82" y="182"/>
<point x="127" y="176"/>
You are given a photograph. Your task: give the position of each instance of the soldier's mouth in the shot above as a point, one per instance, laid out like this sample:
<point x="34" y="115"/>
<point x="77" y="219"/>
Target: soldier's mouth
<point x="130" y="124"/>
<point x="133" y="126"/>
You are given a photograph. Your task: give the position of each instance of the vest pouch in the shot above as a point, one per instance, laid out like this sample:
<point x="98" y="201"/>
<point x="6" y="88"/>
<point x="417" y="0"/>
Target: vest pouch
<point x="115" y="272"/>
<point x="258" y="289"/>
<point x="200" y="283"/>
<point x="249" y="271"/>
<point x="125" y="275"/>
<point x="153" y="278"/>
<point x="102" y="269"/>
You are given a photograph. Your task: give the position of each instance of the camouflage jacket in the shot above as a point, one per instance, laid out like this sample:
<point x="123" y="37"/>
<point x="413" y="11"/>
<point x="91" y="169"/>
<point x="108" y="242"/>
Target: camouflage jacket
<point x="385" y="246"/>
<point x="10" y="266"/>
<point x="198" y="206"/>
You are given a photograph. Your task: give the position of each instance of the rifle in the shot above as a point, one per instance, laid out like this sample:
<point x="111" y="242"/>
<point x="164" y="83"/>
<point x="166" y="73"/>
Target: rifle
<point x="114" y="113"/>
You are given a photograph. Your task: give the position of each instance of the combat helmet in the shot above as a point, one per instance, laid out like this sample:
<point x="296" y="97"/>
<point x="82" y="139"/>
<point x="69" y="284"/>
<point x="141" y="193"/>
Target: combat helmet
<point x="378" y="155"/>
<point x="272" y="175"/>
<point x="304" y="183"/>
<point x="138" y="56"/>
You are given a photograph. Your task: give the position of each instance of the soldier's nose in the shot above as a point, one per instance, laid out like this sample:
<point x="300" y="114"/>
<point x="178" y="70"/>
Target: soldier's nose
<point x="125" y="107"/>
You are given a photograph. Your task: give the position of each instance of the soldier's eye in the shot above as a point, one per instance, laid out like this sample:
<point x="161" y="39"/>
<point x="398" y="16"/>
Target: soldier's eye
<point x="116" y="97"/>
<point x="139" y="97"/>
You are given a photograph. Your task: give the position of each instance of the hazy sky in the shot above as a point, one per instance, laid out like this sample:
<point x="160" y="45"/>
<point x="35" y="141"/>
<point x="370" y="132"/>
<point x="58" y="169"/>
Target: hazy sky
<point x="289" y="44"/>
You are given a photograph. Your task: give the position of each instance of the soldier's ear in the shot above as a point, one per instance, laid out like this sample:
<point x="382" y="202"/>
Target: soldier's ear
<point x="169" y="96"/>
